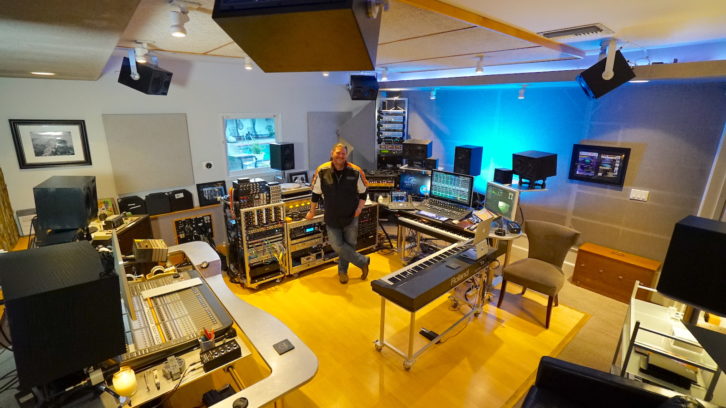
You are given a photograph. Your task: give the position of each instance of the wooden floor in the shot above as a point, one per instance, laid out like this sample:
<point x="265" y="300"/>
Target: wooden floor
<point x="489" y="362"/>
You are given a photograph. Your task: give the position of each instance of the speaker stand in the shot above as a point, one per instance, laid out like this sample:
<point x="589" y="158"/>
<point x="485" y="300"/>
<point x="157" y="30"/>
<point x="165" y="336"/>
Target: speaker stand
<point x="532" y="184"/>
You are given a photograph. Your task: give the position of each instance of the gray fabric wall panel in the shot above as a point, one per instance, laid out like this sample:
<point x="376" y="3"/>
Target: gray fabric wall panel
<point x="360" y="132"/>
<point x="149" y="151"/>
<point x="322" y="135"/>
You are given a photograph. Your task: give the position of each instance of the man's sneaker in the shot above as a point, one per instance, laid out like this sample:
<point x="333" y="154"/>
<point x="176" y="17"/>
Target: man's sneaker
<point x="364" y="275"/>
<point x="343" y="277"/>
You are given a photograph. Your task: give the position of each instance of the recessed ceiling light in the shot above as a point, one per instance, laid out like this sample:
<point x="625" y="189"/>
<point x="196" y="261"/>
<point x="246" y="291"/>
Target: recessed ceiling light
<point x="42" y="73"/>
<point x="326" y="73"/>
<point x="638" y="81"/>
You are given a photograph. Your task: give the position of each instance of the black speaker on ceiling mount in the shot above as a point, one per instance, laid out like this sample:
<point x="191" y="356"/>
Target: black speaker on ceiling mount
<point x="467" y="160"/>
<point x="152" y="81"/>
<point x="595" y="86"/>
<point x="363" y="87"/>
<point x="282" y="156"/>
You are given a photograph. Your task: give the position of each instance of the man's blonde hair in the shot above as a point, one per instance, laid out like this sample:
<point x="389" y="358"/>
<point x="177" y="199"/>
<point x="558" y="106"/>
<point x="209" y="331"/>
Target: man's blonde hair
<point x="337" y="145"/>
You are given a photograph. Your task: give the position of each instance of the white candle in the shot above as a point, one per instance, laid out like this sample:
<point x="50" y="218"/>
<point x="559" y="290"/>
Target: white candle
<point x="124" y="382"/>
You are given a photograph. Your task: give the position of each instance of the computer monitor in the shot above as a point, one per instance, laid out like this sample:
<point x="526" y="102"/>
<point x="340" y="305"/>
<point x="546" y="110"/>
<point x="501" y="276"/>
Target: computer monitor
<point x="456" y="188"/>
<point x="502" y="200"/>
<point x="417" y="183"/>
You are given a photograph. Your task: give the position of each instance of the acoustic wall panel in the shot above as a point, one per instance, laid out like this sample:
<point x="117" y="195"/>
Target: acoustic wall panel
<point x="149" y="151"/>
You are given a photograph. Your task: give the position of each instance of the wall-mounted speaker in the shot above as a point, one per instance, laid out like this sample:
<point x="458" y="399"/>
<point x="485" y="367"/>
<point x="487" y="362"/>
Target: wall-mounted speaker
<point x="282" y="156"/>
<point x="595" y="86"/>
<point x="467" y="160"/>
<point x="152" y="81"/>
<point x="363" y="87"/>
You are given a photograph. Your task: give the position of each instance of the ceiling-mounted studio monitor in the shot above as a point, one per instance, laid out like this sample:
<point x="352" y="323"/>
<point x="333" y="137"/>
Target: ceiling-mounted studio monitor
<point x="152" y="80"/>
<point x="363" y="87"/>
<point x="303" y="35"/>
<point x="592" y="82"/>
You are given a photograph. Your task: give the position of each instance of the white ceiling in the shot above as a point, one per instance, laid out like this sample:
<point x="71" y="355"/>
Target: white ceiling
<point x="75" y="39"/>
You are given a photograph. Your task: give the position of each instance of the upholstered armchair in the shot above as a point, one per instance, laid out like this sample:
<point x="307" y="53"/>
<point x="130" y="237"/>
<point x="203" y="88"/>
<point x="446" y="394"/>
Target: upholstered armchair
<point x="541" y="271"/>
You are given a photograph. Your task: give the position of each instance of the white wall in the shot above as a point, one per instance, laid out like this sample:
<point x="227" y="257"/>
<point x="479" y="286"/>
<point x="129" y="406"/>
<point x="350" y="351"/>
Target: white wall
<point x="202" y="87"/>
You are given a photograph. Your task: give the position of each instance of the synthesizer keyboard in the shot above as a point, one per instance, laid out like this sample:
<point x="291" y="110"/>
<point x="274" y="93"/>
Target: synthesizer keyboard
<point x="171" y="320"/>
<point x="436" y="229"/>
<point x="415" y="285"/>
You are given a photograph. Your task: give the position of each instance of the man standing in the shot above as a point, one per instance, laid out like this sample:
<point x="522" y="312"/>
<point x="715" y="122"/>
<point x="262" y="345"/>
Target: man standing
<point x="343" y="185"/>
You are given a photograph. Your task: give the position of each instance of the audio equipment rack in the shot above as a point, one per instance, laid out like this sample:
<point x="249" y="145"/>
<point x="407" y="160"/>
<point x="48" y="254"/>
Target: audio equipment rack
<point x="392" y="130"/>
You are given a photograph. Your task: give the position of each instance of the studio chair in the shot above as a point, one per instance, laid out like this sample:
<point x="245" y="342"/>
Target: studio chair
<point x="541" y="271"/>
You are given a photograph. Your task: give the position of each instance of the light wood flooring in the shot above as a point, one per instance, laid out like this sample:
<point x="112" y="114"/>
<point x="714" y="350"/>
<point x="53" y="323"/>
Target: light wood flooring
<point x="489" y="362"/>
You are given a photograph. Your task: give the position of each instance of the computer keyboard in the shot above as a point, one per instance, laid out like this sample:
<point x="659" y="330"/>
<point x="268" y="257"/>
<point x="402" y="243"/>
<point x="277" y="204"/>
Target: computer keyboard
<point x="445" y="209"/>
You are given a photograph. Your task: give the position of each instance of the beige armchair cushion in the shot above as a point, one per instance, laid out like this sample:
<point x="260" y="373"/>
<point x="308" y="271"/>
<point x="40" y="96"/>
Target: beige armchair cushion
<point x="536" y="274"/>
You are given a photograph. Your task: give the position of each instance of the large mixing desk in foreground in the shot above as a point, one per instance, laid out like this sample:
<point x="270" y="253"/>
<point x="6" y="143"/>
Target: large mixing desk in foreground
<point x="289" y="370"/>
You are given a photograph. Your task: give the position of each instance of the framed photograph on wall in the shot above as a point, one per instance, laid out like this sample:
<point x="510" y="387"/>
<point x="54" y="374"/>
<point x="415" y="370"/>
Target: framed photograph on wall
<point x="599" y="164"/>
<point x="300" y="177"/>
<point x="52" y="142"/>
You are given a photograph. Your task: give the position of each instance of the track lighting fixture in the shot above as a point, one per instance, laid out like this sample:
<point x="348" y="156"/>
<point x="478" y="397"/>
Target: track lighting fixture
<point x="178" y="19"/>
<point x="480" y="65"/>
<point x="384" y="74"/>
<point x="521" y="91"/>
<point x="248" y="63"/>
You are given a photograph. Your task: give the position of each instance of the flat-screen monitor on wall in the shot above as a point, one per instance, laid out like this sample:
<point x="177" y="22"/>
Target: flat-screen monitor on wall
<point x="502" y="200"/>
<point x="599" y="164"/>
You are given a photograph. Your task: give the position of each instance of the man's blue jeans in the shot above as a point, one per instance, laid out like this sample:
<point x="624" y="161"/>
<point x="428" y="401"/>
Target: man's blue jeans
<point x="343" y="241"/>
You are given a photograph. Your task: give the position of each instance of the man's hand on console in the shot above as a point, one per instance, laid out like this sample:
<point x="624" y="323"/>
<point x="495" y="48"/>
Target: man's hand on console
<point x="310" y="215"/>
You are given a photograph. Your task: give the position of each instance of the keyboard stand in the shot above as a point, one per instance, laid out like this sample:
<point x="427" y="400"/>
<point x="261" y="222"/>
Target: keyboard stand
<point x="410" y="356"/>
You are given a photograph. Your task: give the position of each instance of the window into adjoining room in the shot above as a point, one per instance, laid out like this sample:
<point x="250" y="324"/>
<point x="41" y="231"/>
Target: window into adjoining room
<point x="247" y="140"/>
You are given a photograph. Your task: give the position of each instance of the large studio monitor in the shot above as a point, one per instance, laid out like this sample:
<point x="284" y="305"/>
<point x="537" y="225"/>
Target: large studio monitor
<point x="152" y="81"/>
<point x="302" y="35"/>
<point x="595" y="86"/>
<point x="363" y="87"/>
<point x="467" y="160"/>
<point x="66" y="202"/>
<point x="533" y="166"/>
<point x="282" y="156"/>
<point x="694" y="270"/>
<point x="63" y="309"/>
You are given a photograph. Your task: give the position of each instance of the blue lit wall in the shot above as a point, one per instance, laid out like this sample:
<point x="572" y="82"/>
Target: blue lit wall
<point x="673" y="128"/>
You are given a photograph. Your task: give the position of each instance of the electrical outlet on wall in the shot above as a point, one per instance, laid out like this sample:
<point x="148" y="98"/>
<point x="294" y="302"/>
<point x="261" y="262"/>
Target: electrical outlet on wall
<point x="639" y="195"/>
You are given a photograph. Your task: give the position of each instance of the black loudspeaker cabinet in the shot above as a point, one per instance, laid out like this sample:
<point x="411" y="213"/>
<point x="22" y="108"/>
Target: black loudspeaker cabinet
<point x="282" y="156"/>
<point x="64" y="312"/>
<point x="595" y="86"/>
<point x="152" y="81"/>
<point x="534" y="165"/>
<point x="158" y="203"/>
<point x="417" y="149"/>
<point x="431" y="164"/>
<point x="363" y="87"/>
<point x="694" y="270"/>
<point x="467" y="160"/>
<point x="503" y="176"/>
<point x="180" y="200"/>
<point x="133" y="204"/>
<point x="66" y="202"/>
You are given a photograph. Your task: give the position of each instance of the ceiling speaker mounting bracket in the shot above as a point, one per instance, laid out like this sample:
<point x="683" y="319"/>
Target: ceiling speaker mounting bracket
<point x="374" y="7"/>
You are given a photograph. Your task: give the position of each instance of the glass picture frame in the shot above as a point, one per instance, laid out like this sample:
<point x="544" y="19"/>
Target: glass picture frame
<point x="50" y="142"/>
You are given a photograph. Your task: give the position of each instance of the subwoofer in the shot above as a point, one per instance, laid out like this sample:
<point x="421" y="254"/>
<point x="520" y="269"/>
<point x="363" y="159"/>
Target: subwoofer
<point x="152" y="81"/>
<point x="595" y="86"/>
<point x="282" y="156"/>
<point x="467" y="160"/>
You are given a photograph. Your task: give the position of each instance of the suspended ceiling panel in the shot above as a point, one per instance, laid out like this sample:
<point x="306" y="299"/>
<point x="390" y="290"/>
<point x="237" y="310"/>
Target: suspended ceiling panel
<point x="73" y="39"/>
